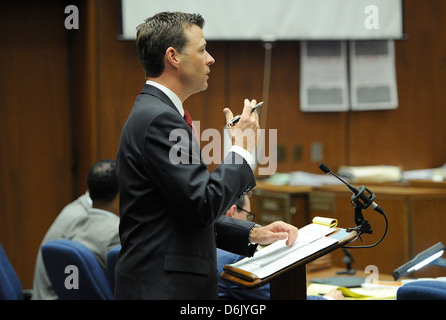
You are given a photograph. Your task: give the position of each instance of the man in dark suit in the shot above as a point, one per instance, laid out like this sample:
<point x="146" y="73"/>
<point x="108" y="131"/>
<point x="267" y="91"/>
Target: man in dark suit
<point x="170" y="205"/>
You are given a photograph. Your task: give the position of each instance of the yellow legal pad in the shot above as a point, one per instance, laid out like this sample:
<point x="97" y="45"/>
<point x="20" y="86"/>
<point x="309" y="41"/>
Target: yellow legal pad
<point x="329" y="222"/>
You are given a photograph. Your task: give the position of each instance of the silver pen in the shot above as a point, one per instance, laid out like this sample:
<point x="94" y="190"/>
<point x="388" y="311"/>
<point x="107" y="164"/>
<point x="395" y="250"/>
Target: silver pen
<point x="236" y="119"/>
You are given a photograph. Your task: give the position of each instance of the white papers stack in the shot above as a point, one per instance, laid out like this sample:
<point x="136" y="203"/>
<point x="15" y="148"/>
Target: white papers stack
<point x="300" y="178"/>
<point x="358" y="174"/>
<point x="434" y="174"/>
<point x="311" y="239"/>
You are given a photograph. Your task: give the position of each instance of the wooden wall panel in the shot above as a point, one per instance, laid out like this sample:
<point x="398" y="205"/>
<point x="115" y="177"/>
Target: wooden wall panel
<point x="35" y="149"/>
<point x="84" y="85"/>
<point x="414" y="135"/>
<point x="107" y="78"/>
<point x="120" y="77"/>
<point x="297" y="129"/>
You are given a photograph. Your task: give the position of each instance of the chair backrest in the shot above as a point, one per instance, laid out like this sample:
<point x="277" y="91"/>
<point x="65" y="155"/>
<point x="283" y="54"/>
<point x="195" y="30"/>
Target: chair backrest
<point x="10" y="286"/>
<point x="422" y="290"/>
<point x="112" y="256"/>
<point x="74" y="272"/>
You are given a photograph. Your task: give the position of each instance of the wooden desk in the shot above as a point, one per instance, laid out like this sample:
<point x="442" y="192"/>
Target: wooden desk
<point x="427" y="183"/>
<point x="416" y="213"/>
<point x="417" y="217"/>
<point x="287" y="203"/>
<point x="290" y="282"/>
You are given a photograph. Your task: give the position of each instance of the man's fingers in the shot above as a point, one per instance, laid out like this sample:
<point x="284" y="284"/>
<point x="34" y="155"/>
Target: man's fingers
<point x="228" y="114"/>
<point x="290" y="231"/>
<point x="292" y="236"/>
<point x="246" y="112"/>
<point x="282" y="236"/>
<point x="279" y="236"/>
<point x="247" y="108"/>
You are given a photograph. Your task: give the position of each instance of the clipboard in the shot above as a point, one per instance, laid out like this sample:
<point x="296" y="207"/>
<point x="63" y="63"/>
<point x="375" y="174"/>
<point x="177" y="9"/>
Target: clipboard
<point x="250" y="280"/>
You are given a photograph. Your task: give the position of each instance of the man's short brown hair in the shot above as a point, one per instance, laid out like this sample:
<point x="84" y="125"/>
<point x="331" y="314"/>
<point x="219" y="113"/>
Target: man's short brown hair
<point x="157" y="33"/>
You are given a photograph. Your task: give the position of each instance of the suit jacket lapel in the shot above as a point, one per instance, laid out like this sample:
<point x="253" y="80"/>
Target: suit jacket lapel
<point x="154" y="91"/>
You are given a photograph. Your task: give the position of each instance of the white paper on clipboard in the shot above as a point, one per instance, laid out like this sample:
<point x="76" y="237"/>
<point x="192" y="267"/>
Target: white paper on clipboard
<point x="311" y="239"/>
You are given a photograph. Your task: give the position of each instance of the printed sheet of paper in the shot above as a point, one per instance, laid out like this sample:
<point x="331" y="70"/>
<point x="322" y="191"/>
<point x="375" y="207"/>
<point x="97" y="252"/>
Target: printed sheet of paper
<point x="323" y="76"/>
<point x="372" y="75"/>
<point x="311" y="239"/>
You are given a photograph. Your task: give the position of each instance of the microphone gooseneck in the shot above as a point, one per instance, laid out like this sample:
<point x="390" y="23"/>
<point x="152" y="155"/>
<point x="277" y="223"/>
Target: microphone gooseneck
<point x="361" y="199"/>
<point x="327" y="170"/>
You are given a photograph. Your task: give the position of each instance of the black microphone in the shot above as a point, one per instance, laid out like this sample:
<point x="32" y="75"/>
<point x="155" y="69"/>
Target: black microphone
<point x="327" y="170"/>
<point x="362" y="197"/>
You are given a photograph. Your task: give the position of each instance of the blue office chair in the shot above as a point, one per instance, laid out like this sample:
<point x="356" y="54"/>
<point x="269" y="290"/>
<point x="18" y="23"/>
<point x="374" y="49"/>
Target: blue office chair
<point x="112" y="256"/>
<point x="422" y="290"/>
<point x="10" y="286"/>
<point x="74" y="272"/>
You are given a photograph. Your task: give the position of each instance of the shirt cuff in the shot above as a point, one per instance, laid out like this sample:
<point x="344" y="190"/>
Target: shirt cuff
<point x="243" y="153"/>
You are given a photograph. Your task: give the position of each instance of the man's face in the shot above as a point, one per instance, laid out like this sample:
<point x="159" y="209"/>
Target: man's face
<point x="240" y="214"/>
<point x="195" y="61"/>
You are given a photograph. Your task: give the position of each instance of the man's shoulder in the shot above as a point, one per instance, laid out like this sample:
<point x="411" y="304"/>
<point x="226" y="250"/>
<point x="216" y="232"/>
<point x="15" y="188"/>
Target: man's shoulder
<point x="148" y="106"/>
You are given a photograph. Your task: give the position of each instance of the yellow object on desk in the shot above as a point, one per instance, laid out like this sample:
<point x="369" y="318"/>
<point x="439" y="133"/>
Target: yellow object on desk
<point x="329" y="222"/>
<point x="360" y="293"/>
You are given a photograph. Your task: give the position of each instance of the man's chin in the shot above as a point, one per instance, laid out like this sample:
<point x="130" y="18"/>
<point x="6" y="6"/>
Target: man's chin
<point x="205" y="86"/>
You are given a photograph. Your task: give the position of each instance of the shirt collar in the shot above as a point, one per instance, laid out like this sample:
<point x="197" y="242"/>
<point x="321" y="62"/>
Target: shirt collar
<point x="172" y="96"/>
<point x="107" y="213"/>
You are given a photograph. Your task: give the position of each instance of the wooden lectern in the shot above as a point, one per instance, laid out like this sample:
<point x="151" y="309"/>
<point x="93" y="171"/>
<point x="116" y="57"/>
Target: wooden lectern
<point x="290" y="283"/>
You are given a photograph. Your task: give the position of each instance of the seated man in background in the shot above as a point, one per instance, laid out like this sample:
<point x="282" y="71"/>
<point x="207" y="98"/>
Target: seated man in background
<point x="92" y="220"/>
<point x="229" y="291"/>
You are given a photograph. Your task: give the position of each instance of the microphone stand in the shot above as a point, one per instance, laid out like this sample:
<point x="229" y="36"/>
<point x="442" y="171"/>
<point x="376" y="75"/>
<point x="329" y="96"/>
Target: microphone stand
<point x="361" y="199"/>
<point x="362" y="225"/>
<point x="348" y="260"/>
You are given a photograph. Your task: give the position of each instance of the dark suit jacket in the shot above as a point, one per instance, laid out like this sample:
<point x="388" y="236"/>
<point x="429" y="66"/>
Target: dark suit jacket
<point x="170" y="206"/>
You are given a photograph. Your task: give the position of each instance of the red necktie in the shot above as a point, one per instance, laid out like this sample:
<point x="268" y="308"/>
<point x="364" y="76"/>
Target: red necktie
<point x="188" y="119"/>
<point x="189" y="122"/>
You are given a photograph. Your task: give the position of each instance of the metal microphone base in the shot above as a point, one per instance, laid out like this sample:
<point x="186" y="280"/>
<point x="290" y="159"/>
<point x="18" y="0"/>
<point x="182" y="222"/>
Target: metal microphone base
<point x="362" y="225"/>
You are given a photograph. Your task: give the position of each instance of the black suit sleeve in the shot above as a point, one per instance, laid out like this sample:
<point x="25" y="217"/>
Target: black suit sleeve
<point x="173" y="163"/>
<point x="233" y="235"/>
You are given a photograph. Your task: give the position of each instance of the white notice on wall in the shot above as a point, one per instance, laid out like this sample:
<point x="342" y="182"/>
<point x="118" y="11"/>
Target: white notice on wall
<point x="323" y="76"/>
<point x="372" y="75"/>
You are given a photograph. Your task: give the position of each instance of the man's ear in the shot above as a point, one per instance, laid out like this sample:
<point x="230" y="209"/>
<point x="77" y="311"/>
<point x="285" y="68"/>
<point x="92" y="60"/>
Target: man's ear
<point x="231" y="211"/>
<point x="172" y="57"/>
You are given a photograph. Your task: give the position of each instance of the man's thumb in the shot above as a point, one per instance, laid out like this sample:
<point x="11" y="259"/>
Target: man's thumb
<point x="228" y="114"/>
